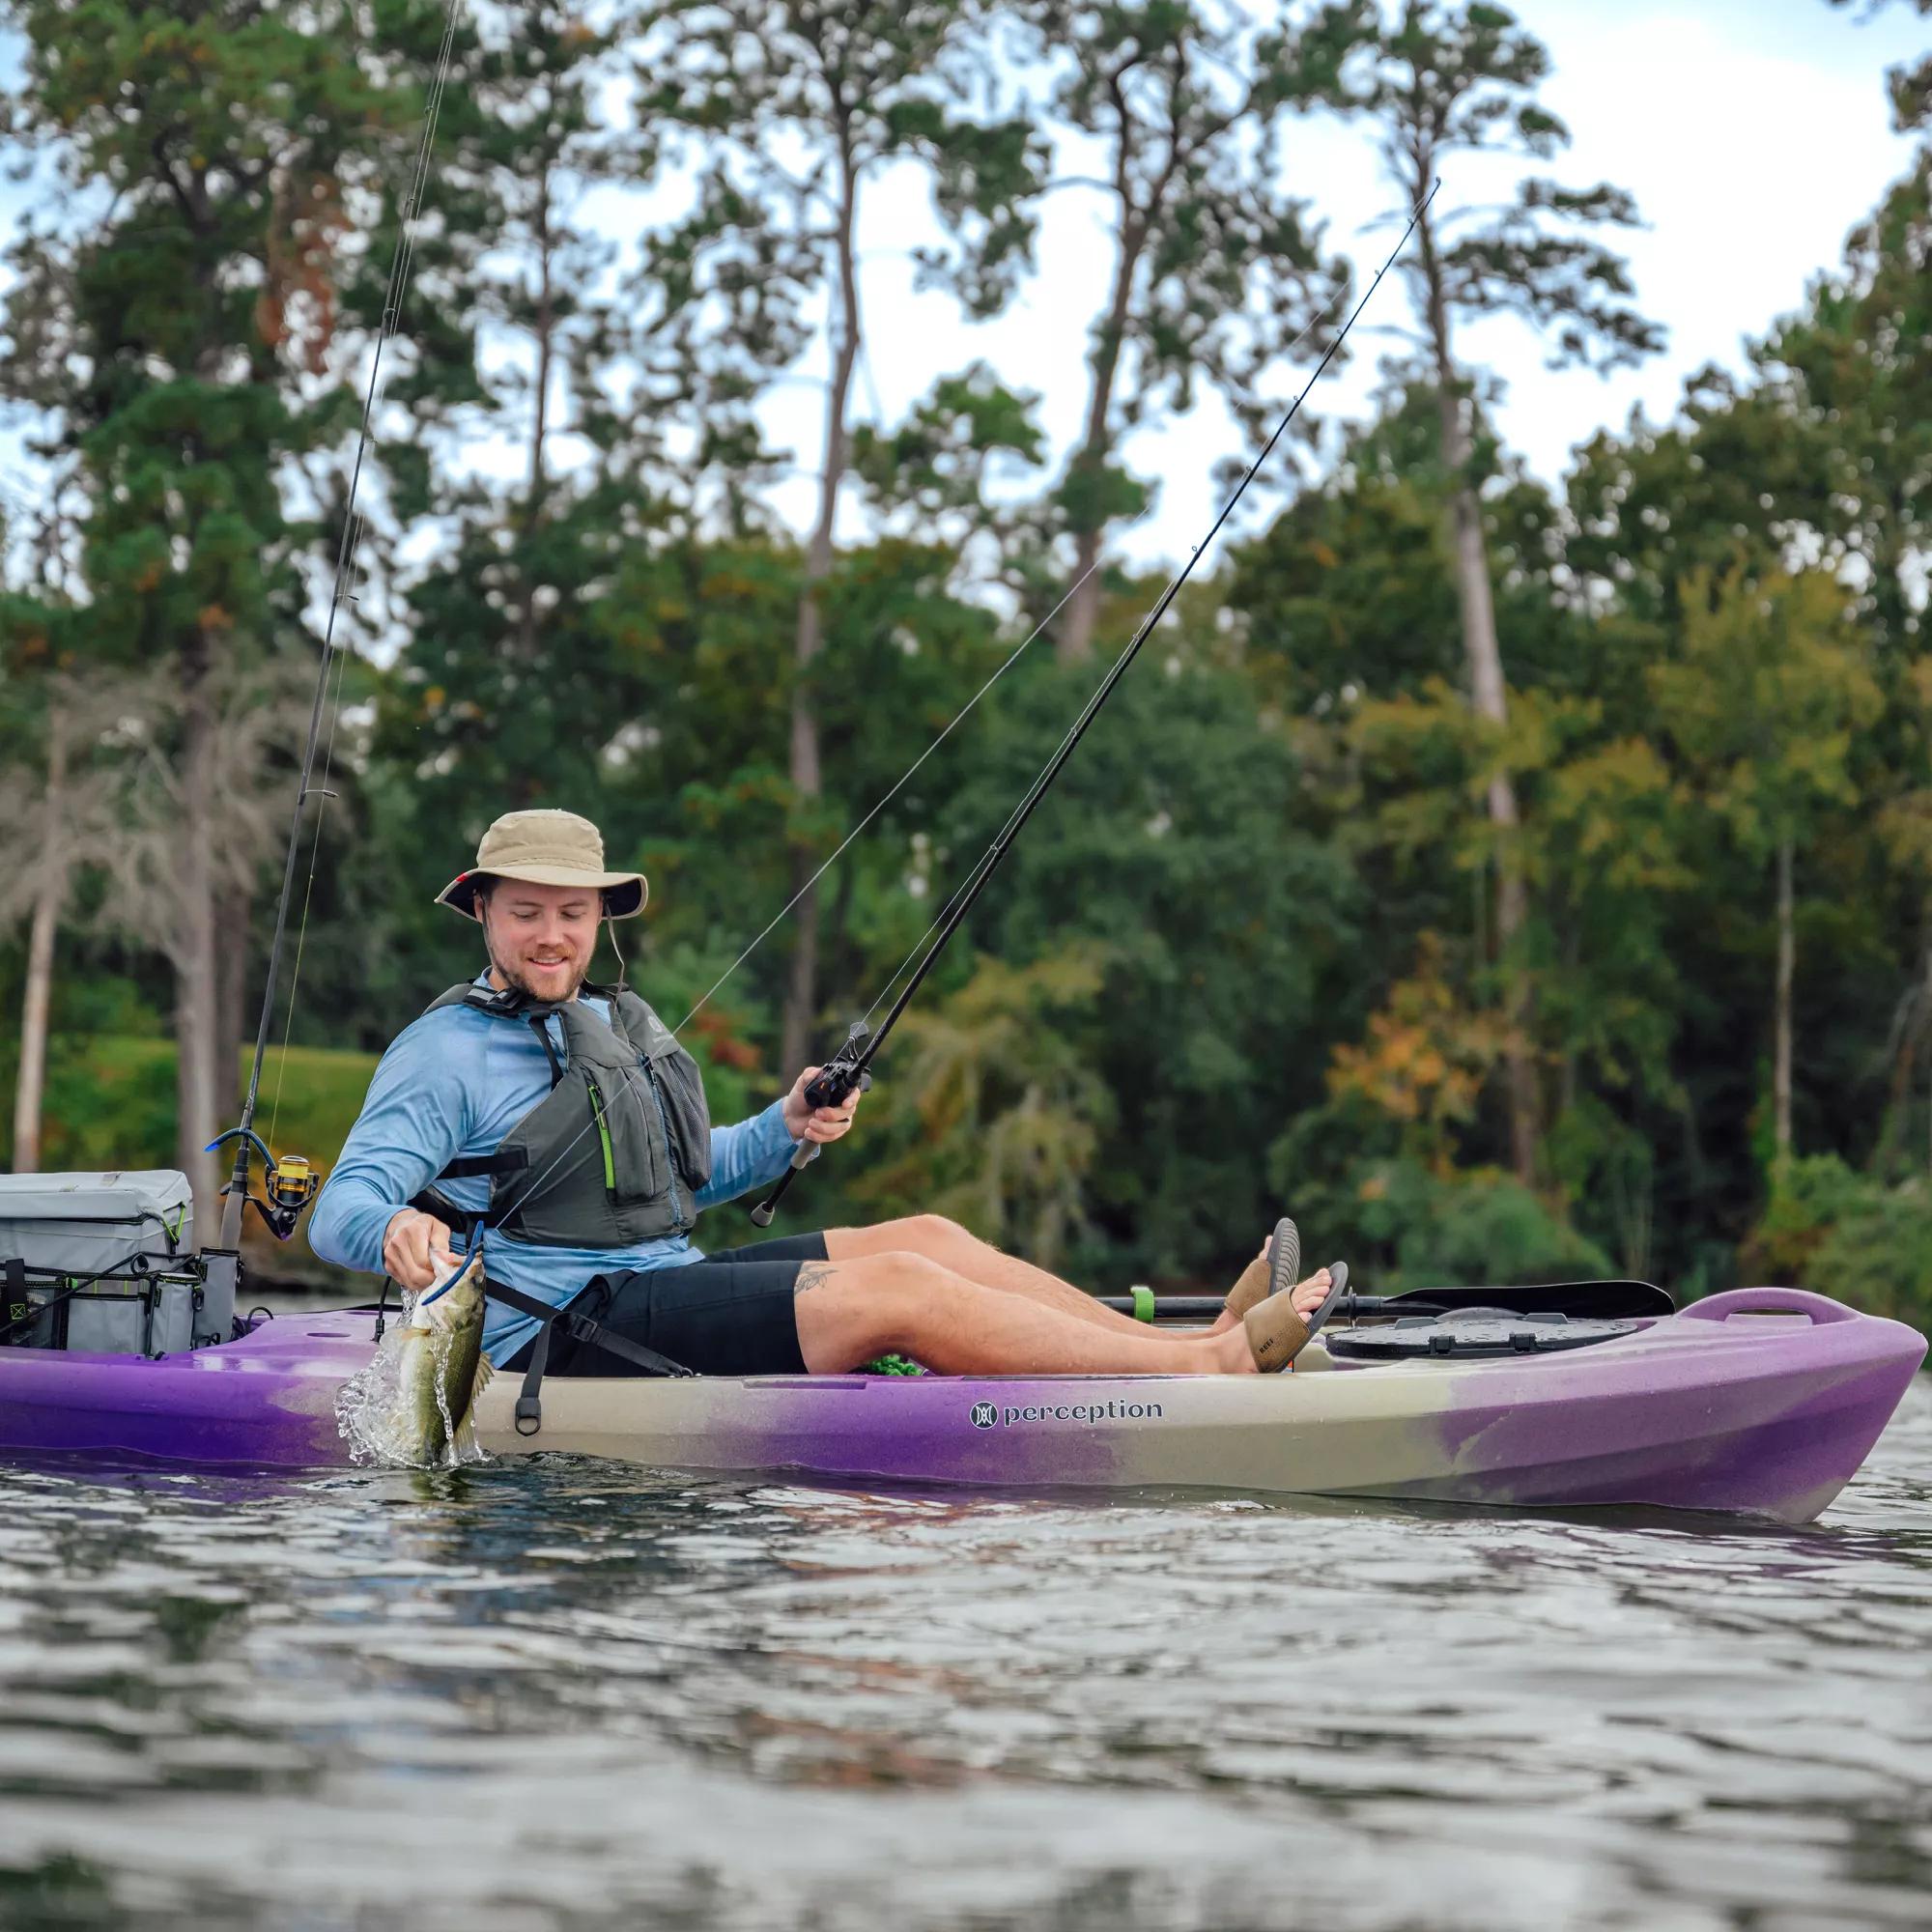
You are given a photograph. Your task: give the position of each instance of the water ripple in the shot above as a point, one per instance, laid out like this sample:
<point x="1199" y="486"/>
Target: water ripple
<point x="564" y="1694"/>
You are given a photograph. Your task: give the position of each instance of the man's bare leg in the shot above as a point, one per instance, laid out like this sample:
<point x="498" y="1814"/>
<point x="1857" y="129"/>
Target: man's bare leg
<point x="849" y="1311"/>
<point x="966" y="1255"/>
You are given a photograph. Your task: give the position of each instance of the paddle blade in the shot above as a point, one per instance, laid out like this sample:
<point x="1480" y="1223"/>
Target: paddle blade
<point x="1580" y="1301"/>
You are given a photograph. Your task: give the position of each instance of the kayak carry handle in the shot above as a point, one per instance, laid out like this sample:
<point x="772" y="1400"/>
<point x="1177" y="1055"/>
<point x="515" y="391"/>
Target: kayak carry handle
<point x="1819" y="1309"/>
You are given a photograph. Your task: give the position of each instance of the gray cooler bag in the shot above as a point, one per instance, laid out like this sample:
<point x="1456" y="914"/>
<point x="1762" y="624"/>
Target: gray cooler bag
<point x="133" y="1230"/>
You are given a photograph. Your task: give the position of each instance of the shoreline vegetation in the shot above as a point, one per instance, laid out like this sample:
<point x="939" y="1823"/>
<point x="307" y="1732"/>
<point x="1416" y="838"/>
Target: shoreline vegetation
<point x="111" y="1106"/>
<point x="1511" y="878"/>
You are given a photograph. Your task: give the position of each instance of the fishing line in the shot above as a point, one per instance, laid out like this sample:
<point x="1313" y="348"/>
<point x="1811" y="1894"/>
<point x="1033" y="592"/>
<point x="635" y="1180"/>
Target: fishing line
<point x="928" y="947"/>
<point x="334" y="708"/>
<point x="1307" y="328"/>
<point x="947" y="921"/>
<point x="340" y="667"/>
<point x="631" y="1080"/>
<point x="340" y="593"/>
<point x="980" y="865"/>
<point x="848" y="1070"/>
<point x="898" y="786"/>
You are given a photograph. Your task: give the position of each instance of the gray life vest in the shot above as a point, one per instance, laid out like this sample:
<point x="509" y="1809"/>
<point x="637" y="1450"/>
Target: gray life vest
<point x="615" y="1152"/>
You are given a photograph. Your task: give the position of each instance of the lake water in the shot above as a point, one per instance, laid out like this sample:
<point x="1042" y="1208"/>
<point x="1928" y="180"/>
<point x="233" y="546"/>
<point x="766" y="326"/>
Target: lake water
<point x="577" y="1695"/>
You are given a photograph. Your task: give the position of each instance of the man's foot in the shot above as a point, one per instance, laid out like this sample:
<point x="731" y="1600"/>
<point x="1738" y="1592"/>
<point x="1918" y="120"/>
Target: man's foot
<point x="1280" y="1328"/>
<point x="1272" y="1269"/>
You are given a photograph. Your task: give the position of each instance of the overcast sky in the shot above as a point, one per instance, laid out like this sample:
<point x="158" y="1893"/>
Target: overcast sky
<point x="1754" y="133"/>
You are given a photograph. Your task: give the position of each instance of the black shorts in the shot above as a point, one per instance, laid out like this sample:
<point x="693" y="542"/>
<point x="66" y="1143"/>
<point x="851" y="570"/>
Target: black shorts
<point x="728" y="1314"/>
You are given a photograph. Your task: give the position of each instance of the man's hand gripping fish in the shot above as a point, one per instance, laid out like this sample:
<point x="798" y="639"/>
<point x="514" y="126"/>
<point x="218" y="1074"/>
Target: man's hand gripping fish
<point x="442" y="1372"/>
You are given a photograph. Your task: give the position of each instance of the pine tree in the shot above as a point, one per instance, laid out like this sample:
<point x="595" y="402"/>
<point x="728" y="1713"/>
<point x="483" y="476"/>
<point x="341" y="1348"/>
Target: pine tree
<point x="176" y="345"/>
<point x="1218" y="268"/>
<point x="1450" y="79"/>
<point x="799" y="103"/>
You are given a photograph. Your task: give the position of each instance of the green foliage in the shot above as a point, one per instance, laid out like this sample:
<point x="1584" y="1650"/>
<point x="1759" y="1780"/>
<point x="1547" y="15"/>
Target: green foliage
<point x="1839" y="1233"/>
<point x="111" y="1104"/>
<point x="168" y="337"/>
<point x="1350" y="591"/>
<point x="1401" y="1225"/>
<point x="934" y="469"/>
<point x="1242" y="958"/>
<point x="994" y="1113"/>
<point x="1480" y="1228"/>
<point x="1451" y="79"/>
<point x="1765" y="700"/>
<point x="1879" y="1256"/>
<point x="1218" y="268"/>
<point x="1176" y="852"/>
<point x="749" y="84"/>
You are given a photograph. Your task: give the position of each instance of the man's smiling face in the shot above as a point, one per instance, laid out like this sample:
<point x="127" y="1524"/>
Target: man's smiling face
<point x="540" y="937"/>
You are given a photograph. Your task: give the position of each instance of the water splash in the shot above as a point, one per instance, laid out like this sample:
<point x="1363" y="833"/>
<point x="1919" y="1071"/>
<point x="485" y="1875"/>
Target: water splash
<point x="381" y="1411"/>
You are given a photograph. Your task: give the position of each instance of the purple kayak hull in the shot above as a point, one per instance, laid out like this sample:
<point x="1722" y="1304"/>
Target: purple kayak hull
<point x="1763" y="1401"/>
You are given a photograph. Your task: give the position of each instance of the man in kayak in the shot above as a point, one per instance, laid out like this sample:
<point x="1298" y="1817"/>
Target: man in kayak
<point x="563" y="1123"/>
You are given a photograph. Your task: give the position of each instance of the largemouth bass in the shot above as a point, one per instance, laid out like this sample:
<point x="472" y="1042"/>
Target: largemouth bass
<point x="443" y="1371"/>
<point x="413" y="1405"/>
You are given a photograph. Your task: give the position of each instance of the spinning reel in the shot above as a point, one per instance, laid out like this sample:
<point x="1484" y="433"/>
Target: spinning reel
<point x="289" y="1183"/>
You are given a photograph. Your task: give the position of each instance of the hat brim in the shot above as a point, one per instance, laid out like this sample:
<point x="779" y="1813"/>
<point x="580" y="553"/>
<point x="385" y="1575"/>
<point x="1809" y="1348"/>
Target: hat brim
<point x="624" y="892"/>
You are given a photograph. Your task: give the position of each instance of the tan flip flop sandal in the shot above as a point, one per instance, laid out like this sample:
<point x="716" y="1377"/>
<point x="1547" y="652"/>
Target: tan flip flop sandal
<point x="1277" y="1333"/>
<point x="1277" y="1266"/>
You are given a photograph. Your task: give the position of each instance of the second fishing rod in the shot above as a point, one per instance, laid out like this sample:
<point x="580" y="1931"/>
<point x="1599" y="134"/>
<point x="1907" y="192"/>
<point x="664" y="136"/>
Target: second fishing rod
<point x="849" y="1070"/>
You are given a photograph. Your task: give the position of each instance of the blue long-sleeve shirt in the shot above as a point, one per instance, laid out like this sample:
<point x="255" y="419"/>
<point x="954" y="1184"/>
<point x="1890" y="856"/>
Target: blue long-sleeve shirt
<point x="452" y="1084"/>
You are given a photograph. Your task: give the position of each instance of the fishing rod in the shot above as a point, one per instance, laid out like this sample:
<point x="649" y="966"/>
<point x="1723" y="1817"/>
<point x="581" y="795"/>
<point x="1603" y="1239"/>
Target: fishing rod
<point x="290" y="1183"/>
<point x="849" y="1070"/>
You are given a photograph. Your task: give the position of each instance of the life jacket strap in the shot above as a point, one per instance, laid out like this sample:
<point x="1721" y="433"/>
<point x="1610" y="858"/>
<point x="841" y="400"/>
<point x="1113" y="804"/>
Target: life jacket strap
<point x="582" y="1329"/>
<point x="459" y="1220"/>
<point x="539" y="1027"/>
<point x="486" y="1166"/>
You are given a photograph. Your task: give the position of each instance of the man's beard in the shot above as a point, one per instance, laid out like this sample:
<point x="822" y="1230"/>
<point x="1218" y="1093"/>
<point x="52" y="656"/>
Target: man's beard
<point x="516" y="984"/>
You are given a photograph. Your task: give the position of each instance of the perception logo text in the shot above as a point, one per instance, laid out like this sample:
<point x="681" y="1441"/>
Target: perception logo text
<point x="986" y="1415"/>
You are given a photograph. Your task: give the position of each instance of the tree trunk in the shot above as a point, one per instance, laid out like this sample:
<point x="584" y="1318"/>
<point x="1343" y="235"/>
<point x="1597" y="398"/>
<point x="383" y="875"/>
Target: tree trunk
<point x="1566" y="1080"/>
<point x="1488" y="695"/>
<point x="1780" y="1052"/>
<point x="801" y="1002"/>
<point x="546" y="332"/>
<point x="198" y="1088"/>
<point x="1913" y="1022"/>
<point x="38" y="994"/>
<point x="1075" y="643"/>
<point x="234" y="908"/>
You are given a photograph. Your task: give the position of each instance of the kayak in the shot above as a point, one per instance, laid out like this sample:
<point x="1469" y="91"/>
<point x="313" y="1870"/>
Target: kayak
<point x="1762" y="1400"/>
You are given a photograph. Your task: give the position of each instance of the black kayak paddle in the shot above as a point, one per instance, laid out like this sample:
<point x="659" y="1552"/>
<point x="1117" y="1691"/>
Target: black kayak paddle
<point x="1578" y="1300"/>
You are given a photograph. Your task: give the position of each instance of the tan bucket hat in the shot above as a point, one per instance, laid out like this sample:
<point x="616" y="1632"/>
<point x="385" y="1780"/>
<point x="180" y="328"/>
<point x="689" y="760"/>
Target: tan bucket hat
<point x="546" y="848"/>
